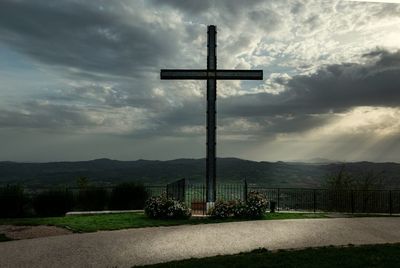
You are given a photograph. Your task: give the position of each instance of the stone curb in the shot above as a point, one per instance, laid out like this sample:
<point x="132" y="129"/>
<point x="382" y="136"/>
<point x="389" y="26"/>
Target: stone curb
<point x="74" y="213"/>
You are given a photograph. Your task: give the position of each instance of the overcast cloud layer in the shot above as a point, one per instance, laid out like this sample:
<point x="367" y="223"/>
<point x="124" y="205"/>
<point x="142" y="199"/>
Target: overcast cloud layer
<point x="80" y="79"/>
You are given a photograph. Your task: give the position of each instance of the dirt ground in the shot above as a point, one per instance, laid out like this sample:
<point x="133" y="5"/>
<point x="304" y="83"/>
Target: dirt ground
<point x="26" y="232"/>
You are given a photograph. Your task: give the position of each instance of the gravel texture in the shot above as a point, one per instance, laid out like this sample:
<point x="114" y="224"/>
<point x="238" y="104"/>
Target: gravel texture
<point x="126" y="248"/>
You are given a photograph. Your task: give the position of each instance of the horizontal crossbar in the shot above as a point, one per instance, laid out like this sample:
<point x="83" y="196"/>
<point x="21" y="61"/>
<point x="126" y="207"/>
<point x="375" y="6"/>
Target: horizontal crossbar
<point x="208" y="74"/>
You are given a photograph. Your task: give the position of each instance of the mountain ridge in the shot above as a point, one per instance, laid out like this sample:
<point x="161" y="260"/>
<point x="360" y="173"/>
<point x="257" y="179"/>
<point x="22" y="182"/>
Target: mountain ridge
<point x="104" y="171"/>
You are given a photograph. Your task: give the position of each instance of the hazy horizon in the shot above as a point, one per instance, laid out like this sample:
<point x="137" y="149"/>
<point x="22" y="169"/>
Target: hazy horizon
<point x="316" y="160"/>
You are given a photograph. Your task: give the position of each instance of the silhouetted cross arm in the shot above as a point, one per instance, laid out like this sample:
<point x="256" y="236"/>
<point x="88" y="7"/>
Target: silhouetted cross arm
<point x="170" y="74"/>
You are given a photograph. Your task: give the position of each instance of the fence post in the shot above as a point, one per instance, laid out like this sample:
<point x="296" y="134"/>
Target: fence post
<point x="352" y="202"/>
<point x="278" y="199"/>
<point x="203" y="194"/>
<point x="66" y="198"/>
<point x="183" y="187"/>
<point x="245" y="191"/>
<point x="167" y="190"/>
<point x="315" y="203"/>
<point x="390" y="202"/>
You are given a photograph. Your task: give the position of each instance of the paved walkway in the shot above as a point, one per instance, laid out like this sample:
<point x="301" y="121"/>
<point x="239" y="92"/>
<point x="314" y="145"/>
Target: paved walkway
<point x="125" y="248"/>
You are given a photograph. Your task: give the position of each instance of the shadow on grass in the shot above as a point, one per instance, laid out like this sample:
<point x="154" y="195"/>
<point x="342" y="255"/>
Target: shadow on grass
<point x="386" y="255"/>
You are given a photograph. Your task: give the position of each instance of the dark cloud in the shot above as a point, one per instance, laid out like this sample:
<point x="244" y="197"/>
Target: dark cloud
<point x="334" y="88"/>
<point x="231" y="7"/>
<point x="267" y="19"/>
<point x="385" y="59"/>
<point x="343" y="86"/>
<point x="236" y="7"/>
<point x="85" y="37"/>
<point x="36" y="115"/>
<point x="192" y="7"/>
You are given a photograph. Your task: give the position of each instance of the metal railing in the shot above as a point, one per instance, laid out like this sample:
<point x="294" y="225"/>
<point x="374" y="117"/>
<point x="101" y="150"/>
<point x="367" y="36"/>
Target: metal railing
<point x="286" y="199"/>
<point x="297" y="199"/>
<point x="349" y="201"/>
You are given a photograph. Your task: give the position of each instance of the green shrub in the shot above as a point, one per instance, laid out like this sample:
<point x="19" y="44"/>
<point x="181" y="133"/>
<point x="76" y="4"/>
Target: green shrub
<point x="255" y="207"/>
<point x="92" y="198"/>
<point x="53" y="203"/>
<point x="128" y="196"/>
<point x="12" y="201"/>
<point x="222" y="209"/>
<point x="240" y="210"/>
<point x="162" y="207"/>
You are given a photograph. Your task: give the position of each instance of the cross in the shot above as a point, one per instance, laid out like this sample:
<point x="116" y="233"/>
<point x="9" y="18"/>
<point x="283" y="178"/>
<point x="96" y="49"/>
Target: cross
<point x="211" y="74"/>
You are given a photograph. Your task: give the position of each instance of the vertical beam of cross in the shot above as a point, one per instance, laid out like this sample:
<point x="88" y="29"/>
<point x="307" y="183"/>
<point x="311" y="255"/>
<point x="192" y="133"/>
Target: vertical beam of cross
<point x="211" y="161"/>
<point x="211" y="74"/>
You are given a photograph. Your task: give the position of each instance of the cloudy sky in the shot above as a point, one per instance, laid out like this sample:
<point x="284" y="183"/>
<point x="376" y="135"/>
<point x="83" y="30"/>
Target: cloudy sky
<point x="80" y="79"/>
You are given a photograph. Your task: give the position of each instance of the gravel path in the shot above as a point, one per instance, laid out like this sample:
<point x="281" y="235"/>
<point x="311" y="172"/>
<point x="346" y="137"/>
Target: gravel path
<point x="125" y="248"/>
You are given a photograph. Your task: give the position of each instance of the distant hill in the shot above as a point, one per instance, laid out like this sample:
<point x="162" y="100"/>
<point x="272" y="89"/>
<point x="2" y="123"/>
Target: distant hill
<point x="230" y="170"/>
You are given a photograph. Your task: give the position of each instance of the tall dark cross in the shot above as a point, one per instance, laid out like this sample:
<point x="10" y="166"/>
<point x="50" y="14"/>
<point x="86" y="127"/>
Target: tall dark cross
<point x="211" y="74"/>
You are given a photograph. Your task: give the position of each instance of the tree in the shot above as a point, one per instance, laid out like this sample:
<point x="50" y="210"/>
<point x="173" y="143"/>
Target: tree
<point x="349" y="191"/>
<point x="365" y="180"/>
<point x="340" y="181"/>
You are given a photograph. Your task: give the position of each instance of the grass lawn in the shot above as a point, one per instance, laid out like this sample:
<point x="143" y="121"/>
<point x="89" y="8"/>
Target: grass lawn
<point x="360" y="256"/>
<point x="92" y="223"/>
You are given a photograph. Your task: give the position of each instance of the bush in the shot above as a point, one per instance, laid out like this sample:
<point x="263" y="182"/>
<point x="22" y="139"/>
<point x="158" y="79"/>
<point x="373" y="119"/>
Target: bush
<point x="256" y="205"/>
<point x="240" y="210"/>
<point x="222" y="209"/>
<point x="53" y="203"/>
<point x="128" y="196"/>
<point x="92" y="198"/>
<point x="12" y="201"/>
<point x="162" y="207"/>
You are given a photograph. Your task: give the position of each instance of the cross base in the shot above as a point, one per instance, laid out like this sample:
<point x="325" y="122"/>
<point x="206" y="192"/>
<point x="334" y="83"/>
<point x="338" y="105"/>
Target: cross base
<point x="210" y="205"/>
